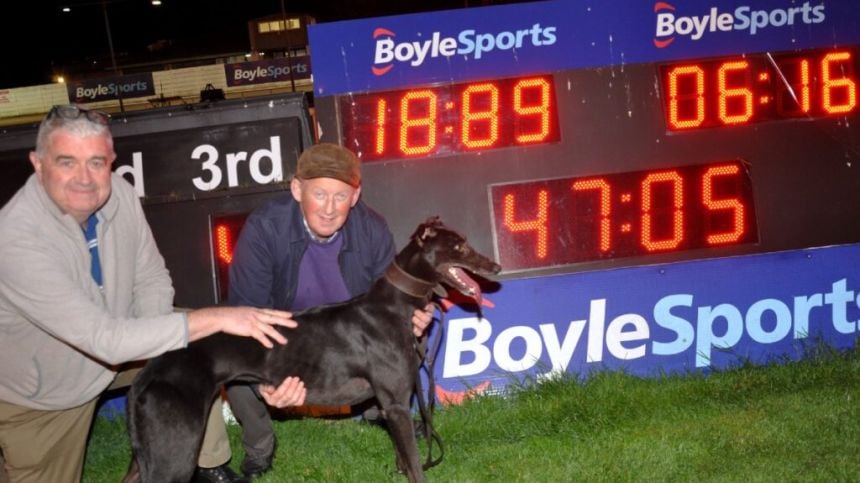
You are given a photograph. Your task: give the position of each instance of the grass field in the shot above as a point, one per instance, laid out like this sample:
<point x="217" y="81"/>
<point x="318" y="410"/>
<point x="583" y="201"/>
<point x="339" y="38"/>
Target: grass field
<point x="797" y="421"/>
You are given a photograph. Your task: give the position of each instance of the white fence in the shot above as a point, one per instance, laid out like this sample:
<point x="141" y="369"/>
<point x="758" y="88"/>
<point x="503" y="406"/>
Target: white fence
<point x="176" y="86"/>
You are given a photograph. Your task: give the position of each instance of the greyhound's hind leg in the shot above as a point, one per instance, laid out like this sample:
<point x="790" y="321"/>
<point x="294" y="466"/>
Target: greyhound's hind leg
<point x="168" y="432"/>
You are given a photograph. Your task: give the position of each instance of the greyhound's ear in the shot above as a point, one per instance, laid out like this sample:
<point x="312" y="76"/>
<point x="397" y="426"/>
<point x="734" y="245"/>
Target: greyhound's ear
<point x="427" y="232"/>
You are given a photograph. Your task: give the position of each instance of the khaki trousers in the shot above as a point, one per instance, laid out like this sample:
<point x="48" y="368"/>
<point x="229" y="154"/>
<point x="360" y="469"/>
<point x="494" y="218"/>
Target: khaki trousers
<point x="49" y="446"/>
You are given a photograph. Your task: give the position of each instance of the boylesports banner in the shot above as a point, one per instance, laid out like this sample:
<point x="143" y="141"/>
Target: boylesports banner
<point x="108" y="88"/>
<point x="656" y="319"/>
<point x="541" y="37"/>
<point x="265" y="71"/>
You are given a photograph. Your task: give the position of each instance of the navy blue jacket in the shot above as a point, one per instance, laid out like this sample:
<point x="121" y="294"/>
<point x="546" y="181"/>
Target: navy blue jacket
<point x="265" y="267"/>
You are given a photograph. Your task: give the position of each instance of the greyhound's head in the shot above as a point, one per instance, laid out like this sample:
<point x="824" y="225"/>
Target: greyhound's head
<point x="437" y="255"/>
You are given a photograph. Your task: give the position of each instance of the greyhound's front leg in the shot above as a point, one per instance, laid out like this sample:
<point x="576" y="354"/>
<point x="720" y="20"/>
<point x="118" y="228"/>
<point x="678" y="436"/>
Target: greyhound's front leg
<point x="402" y="433"/>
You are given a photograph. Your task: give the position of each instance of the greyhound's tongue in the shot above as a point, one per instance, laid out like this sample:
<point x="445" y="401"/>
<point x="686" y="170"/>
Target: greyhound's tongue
<point x="472" y="289"/>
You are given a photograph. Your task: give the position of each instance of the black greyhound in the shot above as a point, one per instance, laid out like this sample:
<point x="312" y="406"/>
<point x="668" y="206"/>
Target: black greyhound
<point x="345" y="353"/>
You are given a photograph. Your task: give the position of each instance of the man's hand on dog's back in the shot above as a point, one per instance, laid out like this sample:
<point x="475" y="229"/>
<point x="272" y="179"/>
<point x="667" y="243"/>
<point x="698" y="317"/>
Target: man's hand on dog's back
<point x="241" y="321"/>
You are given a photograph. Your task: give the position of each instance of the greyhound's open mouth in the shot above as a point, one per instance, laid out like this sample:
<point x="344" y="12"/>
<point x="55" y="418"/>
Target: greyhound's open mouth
<point x="457" y="278"/>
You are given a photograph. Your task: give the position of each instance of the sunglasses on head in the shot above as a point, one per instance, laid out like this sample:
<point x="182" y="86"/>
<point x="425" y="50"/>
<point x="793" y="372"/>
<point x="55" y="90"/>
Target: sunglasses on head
<point x="72" y="112"/>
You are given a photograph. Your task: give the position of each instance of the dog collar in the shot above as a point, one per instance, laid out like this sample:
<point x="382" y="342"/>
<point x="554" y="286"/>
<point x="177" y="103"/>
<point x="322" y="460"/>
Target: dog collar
<point x="406" y="283"/>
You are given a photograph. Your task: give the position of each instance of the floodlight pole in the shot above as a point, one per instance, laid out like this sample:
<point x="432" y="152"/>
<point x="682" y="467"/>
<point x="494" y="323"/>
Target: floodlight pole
<point x="289" y="48"/>
<point x="113" y="57"/>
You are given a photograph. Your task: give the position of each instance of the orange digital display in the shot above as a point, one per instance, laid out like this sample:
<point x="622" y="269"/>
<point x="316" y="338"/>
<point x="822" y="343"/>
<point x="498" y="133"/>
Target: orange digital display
<point x="569" y="220"/>
<point x="225" y="233"/>
<point x="451" y="118"/>
<point x="761" y="87"/>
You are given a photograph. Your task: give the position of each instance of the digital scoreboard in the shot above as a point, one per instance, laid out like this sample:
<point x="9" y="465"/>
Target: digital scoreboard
<point x="606" y="147"/>
<point x="622" y="215"/>
<point x="758" y="88"/>
<point x="453" y="118"/>
<point x="666" y="185"/>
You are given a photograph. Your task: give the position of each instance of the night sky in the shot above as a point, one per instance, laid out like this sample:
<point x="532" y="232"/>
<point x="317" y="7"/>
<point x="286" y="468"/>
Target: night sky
<point x="40" y="36"/>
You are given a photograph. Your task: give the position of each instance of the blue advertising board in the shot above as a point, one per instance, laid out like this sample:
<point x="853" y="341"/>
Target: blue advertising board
<point x="657" y="319"/>
<point x="476" y="43"/>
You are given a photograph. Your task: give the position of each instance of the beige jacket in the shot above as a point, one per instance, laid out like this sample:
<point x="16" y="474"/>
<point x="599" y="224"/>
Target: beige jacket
<point x="60" y="335"/>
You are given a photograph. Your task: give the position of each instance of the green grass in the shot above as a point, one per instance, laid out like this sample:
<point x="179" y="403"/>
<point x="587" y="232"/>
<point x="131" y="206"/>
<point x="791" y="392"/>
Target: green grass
<point x="797" y="421"/>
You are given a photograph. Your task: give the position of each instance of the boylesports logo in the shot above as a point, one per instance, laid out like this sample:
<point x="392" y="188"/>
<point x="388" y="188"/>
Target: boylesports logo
<point x="469" y="43"/>
<point x="670" y="25"/>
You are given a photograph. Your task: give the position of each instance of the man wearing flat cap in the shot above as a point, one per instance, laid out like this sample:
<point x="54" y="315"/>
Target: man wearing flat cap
<point x="318" y="245"/>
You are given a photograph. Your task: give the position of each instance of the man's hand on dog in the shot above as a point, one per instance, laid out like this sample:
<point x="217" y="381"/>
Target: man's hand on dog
<point x="242" y="321"/>
<point x="291" y="392"/>
<point x="422" y="319"/>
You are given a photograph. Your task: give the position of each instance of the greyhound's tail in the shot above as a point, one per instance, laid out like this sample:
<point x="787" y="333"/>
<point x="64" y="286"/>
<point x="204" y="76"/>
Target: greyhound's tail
<point x="133" y="474"/>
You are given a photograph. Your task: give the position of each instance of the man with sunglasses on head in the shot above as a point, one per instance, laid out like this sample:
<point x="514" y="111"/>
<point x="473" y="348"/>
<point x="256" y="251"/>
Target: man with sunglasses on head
<point x="84" y="289"/>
